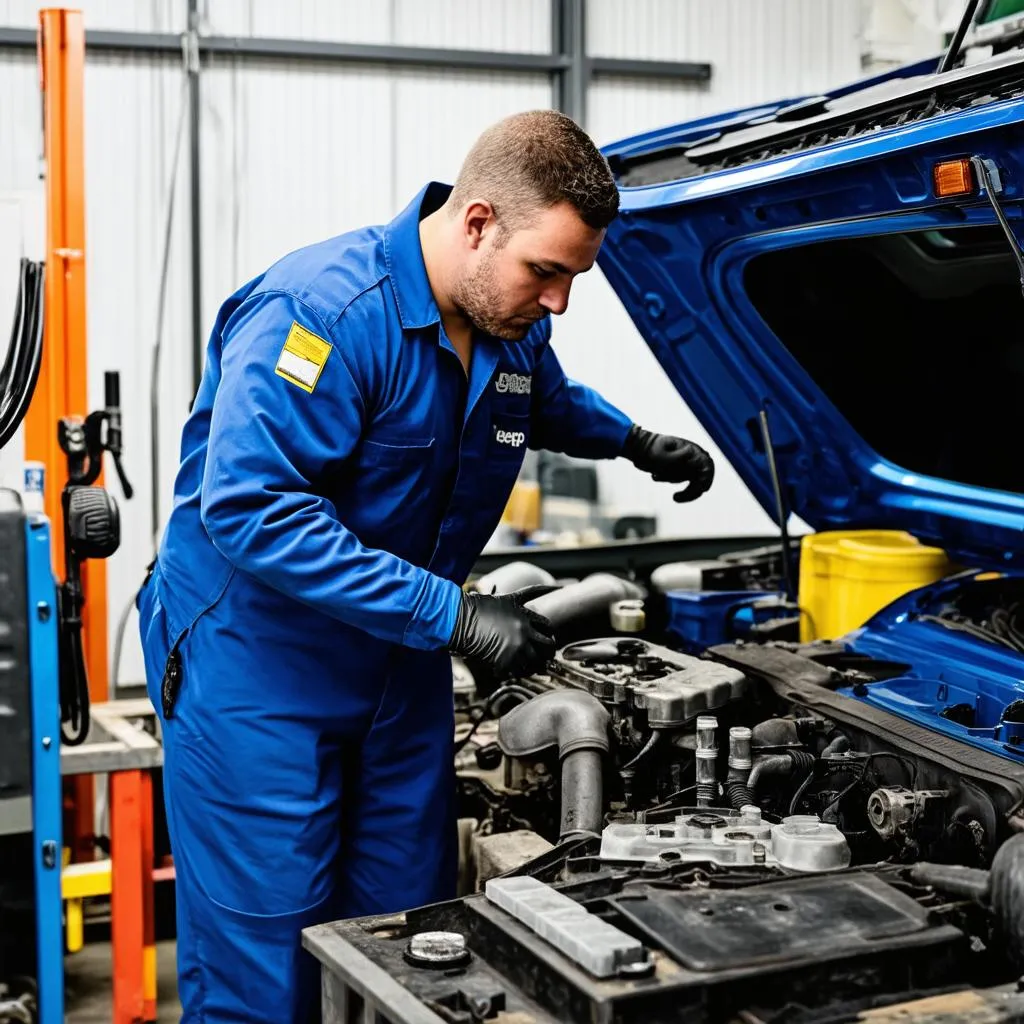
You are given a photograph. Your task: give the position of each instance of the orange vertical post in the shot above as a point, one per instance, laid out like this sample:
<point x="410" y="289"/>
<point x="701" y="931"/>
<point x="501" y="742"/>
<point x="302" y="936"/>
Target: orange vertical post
<point x="127" y="903"/>
<point x="148" y="903"/>
<point x="63" y="383"/>
<point x="63" y="377"/>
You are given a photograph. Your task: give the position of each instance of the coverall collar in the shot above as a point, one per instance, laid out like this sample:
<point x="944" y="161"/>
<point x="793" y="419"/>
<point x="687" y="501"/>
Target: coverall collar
<point x="408" y="273"/>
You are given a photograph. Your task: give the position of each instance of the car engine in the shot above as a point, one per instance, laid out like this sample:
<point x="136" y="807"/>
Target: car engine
<point x="656" y="832"/>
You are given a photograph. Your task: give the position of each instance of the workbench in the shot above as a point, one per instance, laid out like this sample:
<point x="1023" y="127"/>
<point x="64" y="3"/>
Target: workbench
<point x="118" y="747"/>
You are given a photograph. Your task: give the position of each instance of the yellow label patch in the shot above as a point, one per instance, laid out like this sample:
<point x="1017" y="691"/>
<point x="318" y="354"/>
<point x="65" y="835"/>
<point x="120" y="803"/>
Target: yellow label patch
<point x="302" y="359"/>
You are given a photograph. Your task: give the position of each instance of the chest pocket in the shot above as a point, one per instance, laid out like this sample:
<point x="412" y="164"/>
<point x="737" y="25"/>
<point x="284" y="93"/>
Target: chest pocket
<point x="506" y="448"/>
<point x="385" y="490"/>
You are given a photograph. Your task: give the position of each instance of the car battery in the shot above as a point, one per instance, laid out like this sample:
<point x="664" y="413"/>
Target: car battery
<point x="703" y="618"/>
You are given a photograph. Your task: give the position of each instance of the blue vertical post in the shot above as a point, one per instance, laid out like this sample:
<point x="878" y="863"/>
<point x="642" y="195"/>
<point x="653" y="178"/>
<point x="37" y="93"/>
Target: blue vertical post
<point x="46" y="784"/>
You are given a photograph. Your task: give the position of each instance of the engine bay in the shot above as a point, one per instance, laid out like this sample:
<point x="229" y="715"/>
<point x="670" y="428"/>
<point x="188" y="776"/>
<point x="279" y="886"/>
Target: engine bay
<point x="756" y="830"/>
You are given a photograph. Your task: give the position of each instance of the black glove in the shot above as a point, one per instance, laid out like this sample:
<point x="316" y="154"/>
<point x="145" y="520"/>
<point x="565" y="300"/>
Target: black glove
<point x="498" y="631"/>
<point x="671" y="460"/>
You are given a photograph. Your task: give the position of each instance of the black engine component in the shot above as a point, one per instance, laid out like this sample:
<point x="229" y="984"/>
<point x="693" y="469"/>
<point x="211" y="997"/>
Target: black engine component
<point x="719" y="946"/>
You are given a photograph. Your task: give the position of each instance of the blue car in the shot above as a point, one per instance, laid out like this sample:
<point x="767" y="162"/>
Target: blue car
<point x="781" y="784"/>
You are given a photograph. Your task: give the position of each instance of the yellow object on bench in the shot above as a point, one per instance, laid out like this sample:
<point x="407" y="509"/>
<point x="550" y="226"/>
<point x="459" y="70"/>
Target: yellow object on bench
<point x="847" y="576"/>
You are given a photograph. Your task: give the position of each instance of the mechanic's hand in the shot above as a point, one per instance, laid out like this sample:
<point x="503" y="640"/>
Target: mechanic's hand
<point x="671" y="460"/>
<point x="498" y="631"/>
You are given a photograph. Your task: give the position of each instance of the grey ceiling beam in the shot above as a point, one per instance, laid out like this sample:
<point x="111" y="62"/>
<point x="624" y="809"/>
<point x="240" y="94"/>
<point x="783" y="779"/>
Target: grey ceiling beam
<point x="367" y="53"/>
<point x="97" y="39"/>
<point x="304" y="50"/>
<point x="666" y="70"/>
<point x="568" y="61"/>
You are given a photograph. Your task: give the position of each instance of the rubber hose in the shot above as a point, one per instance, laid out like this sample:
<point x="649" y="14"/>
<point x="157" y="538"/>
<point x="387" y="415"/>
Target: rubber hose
<point x="587" y="598"/>
<point x="838" y="745"/>
<point x="801" y="759"/>
<point x="1007" y="896"/>
<point x="20" y="303"/>
<point x="739" y="792"/>
<point x="19" y="391"/>
<point x="512" y="576"/>
<point x="970" y="883"/>
<point x="768" y="764"/>
<point x="774" y="732"/>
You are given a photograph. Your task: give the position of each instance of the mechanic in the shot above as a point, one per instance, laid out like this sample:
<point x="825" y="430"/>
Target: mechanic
<point x="362" y="418"/>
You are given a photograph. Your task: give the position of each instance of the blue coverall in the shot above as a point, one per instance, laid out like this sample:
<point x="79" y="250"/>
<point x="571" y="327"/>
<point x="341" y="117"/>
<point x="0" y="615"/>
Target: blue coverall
<point x="339" y="476"/>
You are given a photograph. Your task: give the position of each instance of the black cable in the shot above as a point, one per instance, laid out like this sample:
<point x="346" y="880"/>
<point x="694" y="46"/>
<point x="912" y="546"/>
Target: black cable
<point x="74" y="680"/>
<point x="905" y="761"/>
<point x="32" y="356"/>
<point x="12" y="348"/>
<point x="801" y="789"/>
<point x="651" y="743"/>
<point x="10" y="377"/>
<point x="670" y="799"/>
<point x="508" y="690"/>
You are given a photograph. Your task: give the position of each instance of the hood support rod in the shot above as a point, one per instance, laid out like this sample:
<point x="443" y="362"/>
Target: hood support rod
<point x="988" y="176"/>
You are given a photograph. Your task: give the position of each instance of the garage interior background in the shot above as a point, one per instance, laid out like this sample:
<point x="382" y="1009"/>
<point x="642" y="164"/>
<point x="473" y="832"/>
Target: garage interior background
<point x="293" y="149"/>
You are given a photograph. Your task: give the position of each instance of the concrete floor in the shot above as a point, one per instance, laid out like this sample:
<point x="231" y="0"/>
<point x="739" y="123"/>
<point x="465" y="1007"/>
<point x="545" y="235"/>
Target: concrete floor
<point x="87" y="985"/>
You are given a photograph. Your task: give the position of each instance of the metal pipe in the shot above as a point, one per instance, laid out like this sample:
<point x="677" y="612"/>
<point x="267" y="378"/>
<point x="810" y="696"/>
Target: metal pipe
<point x="707" y="759"/>
<point x="581" y="794"/>
<point x="577" y="724"/>
<point x="737" y="781"/>
<point x="953" y="50"/>
<point x="781" y="512"/>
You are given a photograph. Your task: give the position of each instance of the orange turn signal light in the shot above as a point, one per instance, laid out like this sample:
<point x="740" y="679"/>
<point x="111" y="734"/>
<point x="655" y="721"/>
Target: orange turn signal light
<point x="954" y="178"/>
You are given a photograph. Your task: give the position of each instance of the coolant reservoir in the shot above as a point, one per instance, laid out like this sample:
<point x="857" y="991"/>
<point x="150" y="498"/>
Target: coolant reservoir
<point x="847" y="576"/>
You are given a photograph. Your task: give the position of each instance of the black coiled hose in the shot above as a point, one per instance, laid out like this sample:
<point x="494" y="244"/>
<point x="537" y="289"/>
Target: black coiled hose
<point x="20" y="372"/>
<point x="737" y="790"/>
<point x="801" y="759"/>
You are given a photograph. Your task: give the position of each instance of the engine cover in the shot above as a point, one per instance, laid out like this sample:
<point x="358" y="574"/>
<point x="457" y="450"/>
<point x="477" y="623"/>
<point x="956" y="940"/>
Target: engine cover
<point x="725" y="837"/>
<point x="671" y="688"/>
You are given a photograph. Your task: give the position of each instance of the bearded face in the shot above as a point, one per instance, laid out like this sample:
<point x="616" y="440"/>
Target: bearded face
<point x="517" y="277"/>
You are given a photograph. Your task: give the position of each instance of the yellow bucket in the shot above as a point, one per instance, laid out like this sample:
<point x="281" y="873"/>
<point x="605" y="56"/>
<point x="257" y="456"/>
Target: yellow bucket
<point x="847" y="576"/>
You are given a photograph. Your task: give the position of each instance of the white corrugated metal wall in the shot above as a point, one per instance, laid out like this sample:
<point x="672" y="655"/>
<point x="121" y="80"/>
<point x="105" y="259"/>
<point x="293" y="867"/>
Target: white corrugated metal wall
<point x="293" y="153"/>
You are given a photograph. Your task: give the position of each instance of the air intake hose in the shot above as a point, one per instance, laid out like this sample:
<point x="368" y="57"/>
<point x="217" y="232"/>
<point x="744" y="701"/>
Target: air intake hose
<point x="512" y="576"/>
<point x="577" y="724"/>
<point x="778" y="764"/>
<point x="589" y="597"/>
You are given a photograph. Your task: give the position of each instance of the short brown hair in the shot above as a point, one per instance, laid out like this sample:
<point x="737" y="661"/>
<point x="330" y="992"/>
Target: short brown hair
<point x="534" y="160"/>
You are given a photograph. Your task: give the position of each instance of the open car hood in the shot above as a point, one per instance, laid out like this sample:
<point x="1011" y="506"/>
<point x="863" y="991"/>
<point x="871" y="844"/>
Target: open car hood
<point x="700" y="201"/>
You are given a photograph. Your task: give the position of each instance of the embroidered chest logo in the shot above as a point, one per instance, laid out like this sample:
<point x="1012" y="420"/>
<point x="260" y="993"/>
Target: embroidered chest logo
<point x="513" y="384"/>
<point x="512" y="438"/>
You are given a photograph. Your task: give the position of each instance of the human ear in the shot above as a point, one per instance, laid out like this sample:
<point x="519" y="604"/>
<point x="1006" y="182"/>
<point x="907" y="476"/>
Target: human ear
<point x="478" y="221"/>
